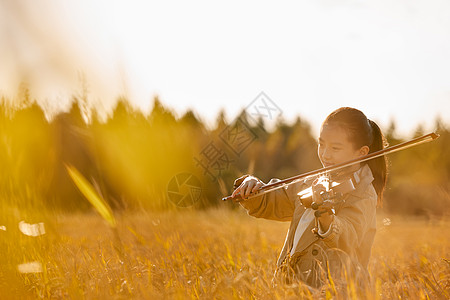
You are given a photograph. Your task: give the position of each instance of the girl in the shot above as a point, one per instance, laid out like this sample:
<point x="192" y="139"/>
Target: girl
<point x="337" y="243"/>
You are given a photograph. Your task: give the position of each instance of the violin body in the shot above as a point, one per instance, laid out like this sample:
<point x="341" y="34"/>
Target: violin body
<point x="335" y="193"/>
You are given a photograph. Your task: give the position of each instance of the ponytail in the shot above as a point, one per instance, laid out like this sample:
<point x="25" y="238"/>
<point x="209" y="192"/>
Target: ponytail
<point x="378" y="166"/>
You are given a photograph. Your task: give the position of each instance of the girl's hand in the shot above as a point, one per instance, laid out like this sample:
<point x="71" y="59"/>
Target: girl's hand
<point x="248" y="186"/>
<point x="319" y="186"/>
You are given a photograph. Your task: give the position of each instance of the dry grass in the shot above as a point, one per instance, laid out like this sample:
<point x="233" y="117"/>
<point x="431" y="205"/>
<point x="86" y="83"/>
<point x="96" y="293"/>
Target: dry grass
<point x="208" y="254"/>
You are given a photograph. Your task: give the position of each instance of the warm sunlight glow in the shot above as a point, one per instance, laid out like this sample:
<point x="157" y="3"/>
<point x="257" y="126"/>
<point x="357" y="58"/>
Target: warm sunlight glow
<point x="125" y="126"/>
<point x="30" y="267"/>
<point x="192" y="56"/>
<point x="32" y="229"/>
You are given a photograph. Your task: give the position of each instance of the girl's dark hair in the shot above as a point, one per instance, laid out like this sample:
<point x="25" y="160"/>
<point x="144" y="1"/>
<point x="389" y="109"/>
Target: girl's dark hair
<point x="363" y="132"/>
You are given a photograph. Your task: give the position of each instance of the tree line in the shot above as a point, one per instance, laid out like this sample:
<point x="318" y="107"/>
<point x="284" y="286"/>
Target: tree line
<point x="158" y="161"/>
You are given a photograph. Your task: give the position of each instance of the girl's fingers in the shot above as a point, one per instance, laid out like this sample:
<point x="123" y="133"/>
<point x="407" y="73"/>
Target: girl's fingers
<point x="317" y="189"/>
<point x="249" y="188"/>
<point x="256" y="187"/>
<point x="235" y="192"/>
<point x="242" y="192"/>
<point x="253" y="187"/>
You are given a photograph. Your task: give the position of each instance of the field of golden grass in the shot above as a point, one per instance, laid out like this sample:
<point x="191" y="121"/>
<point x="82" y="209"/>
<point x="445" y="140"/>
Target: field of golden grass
<point x="212" y="254"/>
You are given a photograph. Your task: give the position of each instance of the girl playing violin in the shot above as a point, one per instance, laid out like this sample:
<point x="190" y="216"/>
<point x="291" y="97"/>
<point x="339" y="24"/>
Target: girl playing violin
<point x="338" y="242"/>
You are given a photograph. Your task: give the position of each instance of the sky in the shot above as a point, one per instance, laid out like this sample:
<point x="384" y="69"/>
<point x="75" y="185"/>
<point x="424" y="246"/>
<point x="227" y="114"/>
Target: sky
<point x="390" y="59"/>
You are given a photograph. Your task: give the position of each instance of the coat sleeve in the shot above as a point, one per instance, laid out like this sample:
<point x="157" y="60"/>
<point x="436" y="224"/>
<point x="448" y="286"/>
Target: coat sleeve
<point x="352" y="222"/>
<point x="276" y="205"/>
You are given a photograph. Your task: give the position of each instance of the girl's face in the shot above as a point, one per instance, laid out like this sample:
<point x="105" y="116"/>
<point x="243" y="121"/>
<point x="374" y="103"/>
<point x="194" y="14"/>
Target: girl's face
<point x="334" y="147"/>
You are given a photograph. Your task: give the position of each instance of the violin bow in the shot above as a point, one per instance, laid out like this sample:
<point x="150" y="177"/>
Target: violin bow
<point x="285" y="182"/>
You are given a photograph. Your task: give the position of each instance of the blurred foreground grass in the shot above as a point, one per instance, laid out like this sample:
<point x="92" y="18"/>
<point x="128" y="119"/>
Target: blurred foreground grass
<point x="209" y="254"/>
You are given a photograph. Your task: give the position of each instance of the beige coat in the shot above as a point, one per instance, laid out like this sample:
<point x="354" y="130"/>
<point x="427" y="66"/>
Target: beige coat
<point x="348" y="243"/>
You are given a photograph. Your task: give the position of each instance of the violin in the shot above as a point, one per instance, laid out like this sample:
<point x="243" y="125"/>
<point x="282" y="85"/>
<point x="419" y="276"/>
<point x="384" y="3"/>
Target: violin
<point x="335" y="192"/>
